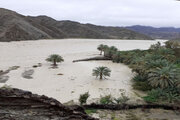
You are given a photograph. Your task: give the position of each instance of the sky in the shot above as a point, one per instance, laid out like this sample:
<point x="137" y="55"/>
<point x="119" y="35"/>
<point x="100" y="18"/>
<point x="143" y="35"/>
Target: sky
<point x="157" y="13"/>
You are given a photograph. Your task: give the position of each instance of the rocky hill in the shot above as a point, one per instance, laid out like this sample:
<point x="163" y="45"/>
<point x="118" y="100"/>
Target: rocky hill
<point x="15" y="27"/>
<point x="17" y="104"/>
<point x="177" y="39"/>
<point x="157" y="33"/>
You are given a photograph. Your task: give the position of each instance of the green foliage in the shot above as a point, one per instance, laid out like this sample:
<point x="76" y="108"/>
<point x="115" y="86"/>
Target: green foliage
<point x="122" y="99"/>
<point x="100" y="48"/>
<point x="90" y="111"/>
<point x="110" y="51"/>
<point x="101" y="72"/>
<point x="164" y="77"/>
<point x="139" y="78"/>
<point x="157" y="69"/>
<point x="140" y="83"/>
<point x="83" y="98"/>
<point x="106" y="99"/>
<point x="155" y="46"/>
<point x="153" y="95"/>
<point x="165" y="95"/>
<point x="54" y="58"/>
<point x="116" y="57"/>
<point x="143" y="86"/>
<point x="172" y="44"/>
<point x="156" y="64"/>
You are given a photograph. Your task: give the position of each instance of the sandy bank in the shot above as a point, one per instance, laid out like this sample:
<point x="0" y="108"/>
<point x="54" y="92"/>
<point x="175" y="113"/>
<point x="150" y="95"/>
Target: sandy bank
<point x="74" y="78"/>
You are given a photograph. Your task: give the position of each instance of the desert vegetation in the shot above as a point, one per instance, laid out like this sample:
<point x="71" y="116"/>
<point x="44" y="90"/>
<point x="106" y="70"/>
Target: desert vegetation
<point x="83" y="98"/>
<point x="109" y="99"/>
<point x="105" y="100"/>
<point x="157" y="70"/>
<point x="101" y="72"/>
<point x="55" y="58"/>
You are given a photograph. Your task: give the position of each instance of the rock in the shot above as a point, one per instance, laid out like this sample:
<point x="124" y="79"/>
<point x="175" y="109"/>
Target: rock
<point x="60" y="74"/>
<point x="14" y="68"/>
<point x="77" y="108"/>
<point x="38" y="65"/>
<point x="3" y="79"/>
<point x="71" y="102"/>
<point x="17" y="104"/>
<point x="34" y="66"/>
<point x="28" y="74"/>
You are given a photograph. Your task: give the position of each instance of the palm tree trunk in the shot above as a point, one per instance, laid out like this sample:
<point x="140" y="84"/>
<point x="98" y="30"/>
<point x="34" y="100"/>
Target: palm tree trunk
<point x="104" y="53"/>
<point x="101" y="52"/>
<point x="54" y="62"/>
<point x="100" y="76"/>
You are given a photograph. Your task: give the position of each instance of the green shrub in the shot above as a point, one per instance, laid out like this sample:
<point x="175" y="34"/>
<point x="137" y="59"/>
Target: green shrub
<point x="166" y="95"/>
<point x="155" y="46"/>
<point x="171" y="94"/>
<point x="153" y="95"/>
<point x="90" y="111"/>
<point x="140" y="83"/>
<point x="143" y="86"/>
<point x="122" y="99"/>
<point x="83" y="98"/>
<point x="139" y="78"/>
<point x="106" y="99"/>
<point x="117" y="57"/>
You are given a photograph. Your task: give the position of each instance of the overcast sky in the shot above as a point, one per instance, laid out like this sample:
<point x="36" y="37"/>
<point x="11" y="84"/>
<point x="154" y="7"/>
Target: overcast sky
<point x="156" y="13"/>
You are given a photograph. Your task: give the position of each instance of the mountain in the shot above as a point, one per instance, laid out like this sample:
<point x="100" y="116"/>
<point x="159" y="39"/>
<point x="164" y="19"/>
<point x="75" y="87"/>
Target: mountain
<point x="15" y="27"/>
<point x="177" y="39"/>
<point x="157" y="33"/>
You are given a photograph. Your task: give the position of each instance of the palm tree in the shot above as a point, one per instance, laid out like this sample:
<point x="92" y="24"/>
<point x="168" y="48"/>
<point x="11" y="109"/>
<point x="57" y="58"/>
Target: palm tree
<point x="113" y="48"/>
<point x="151" y="64"/>
<point x="164" y="77"/>
<point x="54" y="58"/>
<point x="109" y="52"/>
<point x="101" y="72"/>
<point x="105" y="48"/>
<point x="100" y="48"/>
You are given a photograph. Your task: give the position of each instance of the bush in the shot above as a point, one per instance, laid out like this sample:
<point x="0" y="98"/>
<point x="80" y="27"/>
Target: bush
<point x="153" y="95"/>
<point x="167" y="95"/>
<point x="143" y="86"/>
<point x="171" y="94"/>
<point x="117" y="57"/>
<point x="140" y="78"/>
<point x="83" y="98"/>
<point x="140" y="83"/>
<point x="90" y="111"/>
<point x="155" y="46"/>
<point x="106" y="99"/>
<point x="121" y="100"/>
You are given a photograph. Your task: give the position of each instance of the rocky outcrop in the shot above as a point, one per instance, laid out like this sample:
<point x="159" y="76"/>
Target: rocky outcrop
<point x="17" y="104"/>
<point x="16" y="27"/>
<point x="93" y="58"/>
<point x="132" y="106"/>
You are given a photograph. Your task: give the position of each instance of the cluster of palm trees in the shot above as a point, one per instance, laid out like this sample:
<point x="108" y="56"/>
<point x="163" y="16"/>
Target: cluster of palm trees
<point x="108" y="51"/>
<point x="157" y="67"/>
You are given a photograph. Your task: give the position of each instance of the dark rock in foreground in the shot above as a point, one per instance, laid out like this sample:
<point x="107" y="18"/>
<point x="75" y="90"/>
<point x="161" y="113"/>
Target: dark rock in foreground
<point x="17" y="104"/>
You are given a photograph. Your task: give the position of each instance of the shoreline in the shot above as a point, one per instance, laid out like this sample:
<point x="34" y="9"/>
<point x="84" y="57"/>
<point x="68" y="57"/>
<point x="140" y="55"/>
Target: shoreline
<point x="79" y="39"/>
